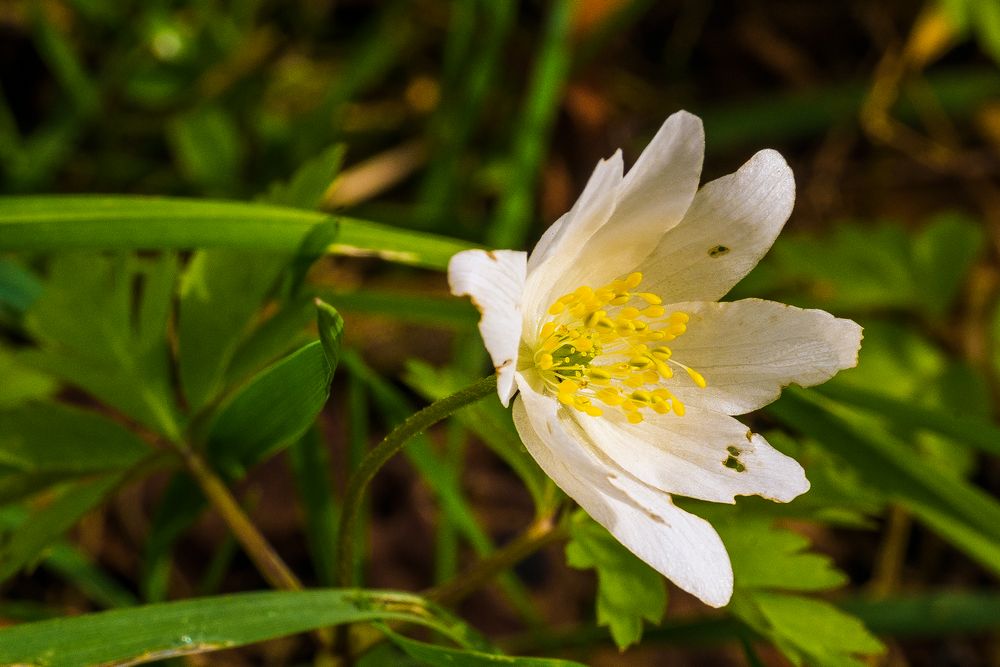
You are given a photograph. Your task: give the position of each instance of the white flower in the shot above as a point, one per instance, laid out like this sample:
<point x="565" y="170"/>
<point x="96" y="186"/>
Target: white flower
<point x="627" y="365"/>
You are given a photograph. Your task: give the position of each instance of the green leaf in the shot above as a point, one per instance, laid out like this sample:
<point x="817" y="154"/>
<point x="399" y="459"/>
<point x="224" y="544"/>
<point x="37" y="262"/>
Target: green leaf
<point x="47" y="223"/>
<point x="18" y="287"/>
<point x="21" y="383"/>
<point x="221" y="293"/>
<point x="115" y="347"/>
<point x="628" y="590"/>
<point x="812" y="631"/>
<point x="22" y="546"/>
<point x="961" y="513"/>
<point x="207" y="147"/>
<point x="331" y="331"/>
<point x="309" y="183"/>
<point x="943" y="253"/>
<point x="159" y="631"/>
<point x="764" y="556"/>
<point x="432" y="654"/>
<point x="48" y="442"/>
<point x="272" y="410"/>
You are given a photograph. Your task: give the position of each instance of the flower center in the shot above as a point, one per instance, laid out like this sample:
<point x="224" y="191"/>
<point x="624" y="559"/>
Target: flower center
<point x="609" y="346"/>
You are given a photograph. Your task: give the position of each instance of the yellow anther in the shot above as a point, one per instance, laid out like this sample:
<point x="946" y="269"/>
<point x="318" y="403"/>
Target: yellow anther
<point x="676" y="329"/>
<point x="697" y="377"/>
<point x="650" y="298"/>
<point x="634" y="417"/>
<point x="565" y="399"/>
<point x="620" y="300"/>
<point x="654" y="311"/>
<point x="557" y="308"/>
<point x="598" y="374"/>
<point x="568" y="387"/>
<point x="583" y="292"/>
<point x="547" y="330"/>
<point x="640" y="363"/>
<point x="678" y="407"/>
<point x="642" y="396"/>
<point x="633" y="280"/>
<point x="634" y="381"/>
<point x="650" y="377"/>
<point x="662" y="352"/>
<point x="593" y="411"/>
<point x="595" y="317"/>
<point x="545" y="361"/>
<point x="629" y="313"/>
<point x="679" y="317"/>
<point x="660" y="406"/>
<point x="664" y="370"/>
<point x="610" y="396"/>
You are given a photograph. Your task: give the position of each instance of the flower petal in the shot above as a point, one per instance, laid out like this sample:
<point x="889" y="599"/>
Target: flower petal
<point x="730" y="226"/>
<point x="704" y="455"/>
<point x="557" y="249"/>
<point x="748" y="350"/>
<point x="592" y="209"/>
<point x="682" y="547"/>
<point x="494" y="280"/>
<point x="655" y="195"/>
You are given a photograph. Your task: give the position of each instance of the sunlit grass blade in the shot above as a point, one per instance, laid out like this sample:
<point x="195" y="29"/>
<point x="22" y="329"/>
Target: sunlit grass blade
<point x="961" y="513"/>
<point x="48" y="223"/>
<point x="969" y="431"/>
<point x="159" y="631"/>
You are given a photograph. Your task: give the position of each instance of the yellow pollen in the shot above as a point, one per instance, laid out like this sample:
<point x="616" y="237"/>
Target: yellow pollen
<point x="606" y="346"/>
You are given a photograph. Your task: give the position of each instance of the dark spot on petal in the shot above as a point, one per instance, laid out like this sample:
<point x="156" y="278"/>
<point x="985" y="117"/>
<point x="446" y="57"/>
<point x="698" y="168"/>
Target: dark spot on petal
<point x="733" y="460"/>
<point x="749" y="435"/>
<point x="492" y="255"/>
<point x="503" y="365"/>
<point x="718" y="251"/>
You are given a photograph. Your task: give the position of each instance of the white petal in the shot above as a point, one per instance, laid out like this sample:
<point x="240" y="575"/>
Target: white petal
<point x="682" y="547"/>
<point x="494" y="280"/>
<point x="654" y="196"/>
<point x="591" y="210"/>
<point x="730" y="226"/>
<point x="748" y="350"/>
<point x="557" y="250"/>
<point x="688" y="455"/>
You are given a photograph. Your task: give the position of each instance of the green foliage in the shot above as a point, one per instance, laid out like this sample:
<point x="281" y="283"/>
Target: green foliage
<point x="208" y="148"/>
<point x="628" y="590"/>
<point x="863" y="267"/>
<point x="160" y="631"/>
<point x="768" y="561"/>
<point x="115" y="348"/>
<point x="128" y="223"/>
<point x="982" y="18"/>
<point x="42" y="443"/>
<point x="433" y="655"/>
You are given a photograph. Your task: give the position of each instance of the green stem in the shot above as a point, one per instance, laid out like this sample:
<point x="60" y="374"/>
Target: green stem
<point x="540" y="533"/>
<point x="384" y="451"/>
<point x="266" y="560"/>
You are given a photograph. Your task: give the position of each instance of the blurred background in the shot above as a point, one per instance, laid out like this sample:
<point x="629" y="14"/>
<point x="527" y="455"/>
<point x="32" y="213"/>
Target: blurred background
<point x="482" y="120"/>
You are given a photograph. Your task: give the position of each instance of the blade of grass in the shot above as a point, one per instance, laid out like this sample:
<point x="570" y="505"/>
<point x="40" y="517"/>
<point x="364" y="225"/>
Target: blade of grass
<point x="310" y="464"/>
<point x="970" y="431"/>
<point x="48" y="223"/>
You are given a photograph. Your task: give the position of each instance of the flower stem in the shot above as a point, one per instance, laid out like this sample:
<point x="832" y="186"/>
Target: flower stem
<point x="542" y="532"/>
<point x="384" y="451"/>
<point x="264" y="558"/>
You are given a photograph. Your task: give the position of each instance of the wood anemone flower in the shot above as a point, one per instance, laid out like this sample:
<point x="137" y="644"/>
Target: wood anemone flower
<point x="627" y="367"/>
